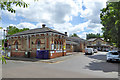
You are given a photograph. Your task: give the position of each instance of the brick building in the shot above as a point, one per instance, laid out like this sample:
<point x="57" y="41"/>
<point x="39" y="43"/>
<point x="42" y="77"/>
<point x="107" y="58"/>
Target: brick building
<point x="71" y="46"/>
<point x="75" y="44"/>
<point x="37" y="39"/>
<point x="98" y="43"/>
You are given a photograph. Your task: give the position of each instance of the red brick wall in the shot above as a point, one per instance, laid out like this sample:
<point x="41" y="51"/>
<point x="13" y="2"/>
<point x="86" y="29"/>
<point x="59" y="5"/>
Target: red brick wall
<point x="54" y="55"/>
<point x="22" y="54"/>
<point x="33" y="54"/>
<point x="18" y="54"/>
<point x="69" y="51"/>
<point x="47" y="42"/>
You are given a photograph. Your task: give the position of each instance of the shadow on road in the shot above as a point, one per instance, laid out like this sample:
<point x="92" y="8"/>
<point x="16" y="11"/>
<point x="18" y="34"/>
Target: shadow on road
<point x="101" y="57"/>
<point x="102" y="66"/>
<point x="98" y="57"/>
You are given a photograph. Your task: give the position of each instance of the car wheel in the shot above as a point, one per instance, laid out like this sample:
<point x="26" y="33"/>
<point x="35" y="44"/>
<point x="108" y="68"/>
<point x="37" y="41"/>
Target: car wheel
<point x="108" y="60"/>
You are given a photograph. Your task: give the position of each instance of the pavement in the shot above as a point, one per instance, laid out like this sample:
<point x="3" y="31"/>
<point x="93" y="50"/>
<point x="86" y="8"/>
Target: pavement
<point x="54" y="60"/>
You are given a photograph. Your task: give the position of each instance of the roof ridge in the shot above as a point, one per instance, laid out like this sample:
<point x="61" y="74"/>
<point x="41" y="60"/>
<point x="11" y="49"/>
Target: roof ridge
<point x="37" y="30"/>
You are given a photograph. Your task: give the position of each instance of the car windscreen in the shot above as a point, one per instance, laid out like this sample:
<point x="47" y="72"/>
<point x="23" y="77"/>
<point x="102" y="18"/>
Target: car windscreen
<point x="114" y="53"/>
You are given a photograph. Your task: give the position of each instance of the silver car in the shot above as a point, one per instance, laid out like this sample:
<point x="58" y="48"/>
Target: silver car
<point x="113" y="56"/>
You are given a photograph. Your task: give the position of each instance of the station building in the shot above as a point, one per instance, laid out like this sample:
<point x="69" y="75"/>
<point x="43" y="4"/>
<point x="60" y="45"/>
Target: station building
<point x="33" y="40"/>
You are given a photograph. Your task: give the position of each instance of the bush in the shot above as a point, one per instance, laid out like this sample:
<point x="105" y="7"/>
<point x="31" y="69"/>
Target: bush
<point x="4" y="49"/>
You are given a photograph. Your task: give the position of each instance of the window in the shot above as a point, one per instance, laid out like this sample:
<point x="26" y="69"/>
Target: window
<point x="38" y="45"/>
<point x="55" y="43"/>
<point x="58" y="45"/>
<point x="52" y="46"/>
<point x="61" y="45"/>
<point x="114" y="53"/>
<point x="16" y="45"/>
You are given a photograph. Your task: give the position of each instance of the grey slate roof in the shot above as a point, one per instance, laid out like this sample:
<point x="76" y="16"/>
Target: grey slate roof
<point x="93" y="39"/>
<point x="71" y="42"/>
<point x="76" y="39"/>
<point x="37" y="30"/>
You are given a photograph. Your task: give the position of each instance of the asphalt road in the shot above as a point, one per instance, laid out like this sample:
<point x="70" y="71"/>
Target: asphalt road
<point x="76" y="66"/>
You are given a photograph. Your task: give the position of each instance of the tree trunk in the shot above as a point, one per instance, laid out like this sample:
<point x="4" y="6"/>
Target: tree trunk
<point x="119" y="36"/>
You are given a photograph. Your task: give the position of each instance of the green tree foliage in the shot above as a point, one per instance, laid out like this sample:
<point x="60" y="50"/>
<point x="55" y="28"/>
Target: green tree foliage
<point x="7" y="4"/>
<point x="12" y="30"/>
<point x="74" y="35"/>
<point x="110" y="19"/>
<point x="91" y="35"/>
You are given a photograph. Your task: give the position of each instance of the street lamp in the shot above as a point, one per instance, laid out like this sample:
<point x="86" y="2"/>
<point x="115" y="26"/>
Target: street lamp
<point x="5" y="44"/>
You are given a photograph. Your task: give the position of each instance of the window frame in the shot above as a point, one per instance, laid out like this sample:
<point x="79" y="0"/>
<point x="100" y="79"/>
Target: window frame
<point x="38" y="45"/>
<point x="16" y="45"/>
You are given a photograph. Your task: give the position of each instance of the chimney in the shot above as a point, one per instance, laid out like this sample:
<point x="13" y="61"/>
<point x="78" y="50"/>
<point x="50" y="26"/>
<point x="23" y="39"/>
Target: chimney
<point x="43" y="25"/>
<point x="65" y="33"/>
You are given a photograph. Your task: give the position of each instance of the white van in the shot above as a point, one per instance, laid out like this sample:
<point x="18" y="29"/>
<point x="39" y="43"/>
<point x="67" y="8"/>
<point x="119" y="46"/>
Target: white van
<point x="89" y="51"/>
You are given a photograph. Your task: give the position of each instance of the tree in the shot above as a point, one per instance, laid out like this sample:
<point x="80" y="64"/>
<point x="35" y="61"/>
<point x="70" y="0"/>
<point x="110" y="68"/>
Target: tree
<point x="12" y="30"/>
<point x="110" y="19"/>
<point x="74" y="35"/>
<point x="7" y="4"/>
<point x="91" y="35"/>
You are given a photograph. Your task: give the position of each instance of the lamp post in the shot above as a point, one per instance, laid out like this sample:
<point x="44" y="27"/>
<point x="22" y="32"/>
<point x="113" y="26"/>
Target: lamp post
<point x="4" y="42"/>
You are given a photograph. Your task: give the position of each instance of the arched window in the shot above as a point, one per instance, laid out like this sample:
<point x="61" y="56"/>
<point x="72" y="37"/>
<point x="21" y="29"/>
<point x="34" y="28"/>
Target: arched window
<point x="52" y="46"/>
<point x="58" y="45"/>
<point x="38" y="45"/>
<point x="55" y="43"/>
<point x="16" y="45"/>
<point x="61" y="44"/>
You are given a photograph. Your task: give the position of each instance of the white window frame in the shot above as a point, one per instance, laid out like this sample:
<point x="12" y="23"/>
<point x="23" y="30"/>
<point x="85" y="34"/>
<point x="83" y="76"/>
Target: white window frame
<point x="16" y="45"/>
<point x="38" y="45"/>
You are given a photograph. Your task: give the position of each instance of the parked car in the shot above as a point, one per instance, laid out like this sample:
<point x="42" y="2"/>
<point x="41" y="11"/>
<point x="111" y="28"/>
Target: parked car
<point x="107" y="50"/>
<point x="89" y="51"/>
<point x="113" y="56"/>
<point x="95" y="50"/>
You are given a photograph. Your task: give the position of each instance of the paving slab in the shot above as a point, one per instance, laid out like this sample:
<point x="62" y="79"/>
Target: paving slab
<point x="54" y="60"/>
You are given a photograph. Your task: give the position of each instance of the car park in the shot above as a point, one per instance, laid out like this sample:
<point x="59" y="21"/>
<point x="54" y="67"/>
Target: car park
<point x="113" y="56"/>
<point x="89" y="51"/>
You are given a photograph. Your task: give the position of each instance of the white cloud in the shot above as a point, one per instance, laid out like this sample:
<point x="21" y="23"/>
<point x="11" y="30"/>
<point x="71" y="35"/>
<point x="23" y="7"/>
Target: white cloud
<point x="92" y="10"/>
<point x="48" y="11"/>
<point x="58" y="13"/>
<point x="26" y="25"/>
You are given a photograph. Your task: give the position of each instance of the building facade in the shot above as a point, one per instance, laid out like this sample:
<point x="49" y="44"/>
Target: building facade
<point x="99" y="44"/>
<point x="71" y="46"/>
<point x="33" y="40"/>
<point x="75" y="44"/>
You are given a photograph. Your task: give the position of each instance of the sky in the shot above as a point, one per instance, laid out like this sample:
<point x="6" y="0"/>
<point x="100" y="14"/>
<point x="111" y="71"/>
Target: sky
<point x="71" y="16"/>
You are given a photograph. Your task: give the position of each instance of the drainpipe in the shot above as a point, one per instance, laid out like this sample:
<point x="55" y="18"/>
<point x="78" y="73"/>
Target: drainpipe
<point x="28" y="37"/>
